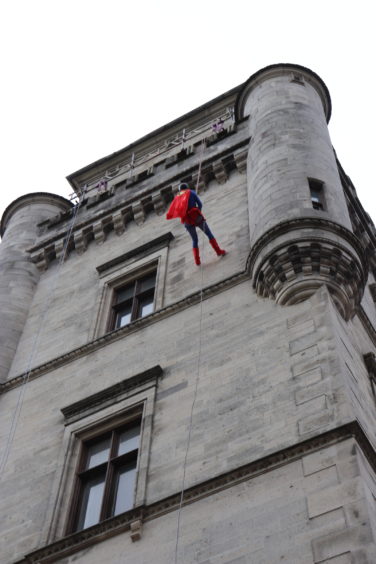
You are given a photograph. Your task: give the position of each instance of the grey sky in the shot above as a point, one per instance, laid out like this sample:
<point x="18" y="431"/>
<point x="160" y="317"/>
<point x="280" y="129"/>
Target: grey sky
<point x="84" y="78"/>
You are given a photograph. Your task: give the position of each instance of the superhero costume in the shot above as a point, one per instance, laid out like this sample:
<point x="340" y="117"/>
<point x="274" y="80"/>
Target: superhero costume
<point x="187" y="206"/>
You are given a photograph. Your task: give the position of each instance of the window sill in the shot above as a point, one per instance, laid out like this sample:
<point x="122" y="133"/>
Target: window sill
<point x="85" y="538"/>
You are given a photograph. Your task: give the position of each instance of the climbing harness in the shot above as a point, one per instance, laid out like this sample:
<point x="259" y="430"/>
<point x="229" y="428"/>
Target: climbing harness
<point x="35" y="344"/>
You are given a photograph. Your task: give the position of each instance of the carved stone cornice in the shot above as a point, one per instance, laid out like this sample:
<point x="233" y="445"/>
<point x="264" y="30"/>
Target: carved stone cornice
<point x="185" y="132"/>
<point x="137" y="208"/>
<point x="303" y="223"/>
<point x="110" y="527"/>
<point x="366" y="322"/>
<point x="290" y="269"/>
<point x="117" y="334"/>
<point x="154" y="244"/>
<point x="97" y="400"/>
<point x="139" y="324"/>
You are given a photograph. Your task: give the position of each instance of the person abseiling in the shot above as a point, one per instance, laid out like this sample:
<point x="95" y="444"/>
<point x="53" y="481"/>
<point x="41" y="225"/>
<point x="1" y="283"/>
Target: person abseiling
<point x="187" y="206"/>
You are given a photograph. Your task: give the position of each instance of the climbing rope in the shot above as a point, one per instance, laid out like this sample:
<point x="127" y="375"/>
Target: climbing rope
<point x="25" y="379"/>
<point x="200" y="164"/>
<point x="197" y="372"/>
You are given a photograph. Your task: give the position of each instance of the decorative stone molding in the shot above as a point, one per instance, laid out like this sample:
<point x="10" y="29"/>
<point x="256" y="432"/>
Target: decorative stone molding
<point x="137" y="325"/>
<point x="220" y="172"/>
<point x="123" y="522"/>
<point x="158" y="203"/>
<point x="154" y="245"/>
<point x="118" y="219"/>
<point x="80" y="242"/>
<point x="292" y="270"/>
<point x="139" y="213"/>
<point x="136" y="530"/>
<point x="137" y="209"/>
<point x="172" y="146"/>
<point x="100" y="399"/>
<point x="99" y="233"/>
<point x="240" y="158"/>
<point x="367" y="324"/>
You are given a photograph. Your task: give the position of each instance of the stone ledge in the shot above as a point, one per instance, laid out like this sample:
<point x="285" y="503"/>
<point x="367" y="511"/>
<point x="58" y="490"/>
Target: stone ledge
<point x="121" y="523"/>
<point x="117" y="334"/>
<point x="137" y="208"/>
<point x="139" y="324"/>
<point x="155" y="244"/>
<point x="303" y="223"/>
<point x="295" y="266"/>
<point x="75" y="410"/>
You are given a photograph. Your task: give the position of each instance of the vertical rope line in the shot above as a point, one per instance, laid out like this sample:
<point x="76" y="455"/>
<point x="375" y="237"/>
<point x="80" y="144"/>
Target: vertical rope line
<point x="35" y="344"/>
<point x="200" y="164"/>
<point x="193" y="405"/>
<point x="197" y="373"/>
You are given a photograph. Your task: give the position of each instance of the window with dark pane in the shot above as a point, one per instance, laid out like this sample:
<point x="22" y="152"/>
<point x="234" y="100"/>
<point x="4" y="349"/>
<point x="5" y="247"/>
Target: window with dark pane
<point x="106" y="476"/>
<point x="133" y="300"/>
<point x="316" y="188"/>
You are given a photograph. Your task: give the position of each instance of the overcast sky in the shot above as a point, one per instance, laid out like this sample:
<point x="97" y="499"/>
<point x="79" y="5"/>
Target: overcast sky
<point x="84" y="78"/>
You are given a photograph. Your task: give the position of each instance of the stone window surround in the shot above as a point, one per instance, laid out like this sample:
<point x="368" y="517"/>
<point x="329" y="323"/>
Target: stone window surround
<point x="94" y="415"/>
<point x="109" y="469"/>
<point x="122" y="273"/>
<point x="317" y="186"/>
<point x="372" y="289"/>
<point x="132" y="521"/>
<point x="370" y="362"/>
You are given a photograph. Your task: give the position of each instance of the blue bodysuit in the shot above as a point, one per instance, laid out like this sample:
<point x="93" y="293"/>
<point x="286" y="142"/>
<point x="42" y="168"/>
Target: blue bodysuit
<point x="198" y="219"/>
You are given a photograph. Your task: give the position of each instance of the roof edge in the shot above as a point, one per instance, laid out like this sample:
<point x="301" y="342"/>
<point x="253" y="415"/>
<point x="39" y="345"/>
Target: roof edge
<point x="276" y="69"/>
<point x="32" y="198"/>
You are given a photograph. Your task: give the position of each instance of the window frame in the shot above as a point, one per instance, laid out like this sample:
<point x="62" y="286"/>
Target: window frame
<point x="88" y="418"/>
<point x="316" y="186"/>
<point x="134" y="300"/>
<point x="119" y="275"/>
<point x="83" y="475"/>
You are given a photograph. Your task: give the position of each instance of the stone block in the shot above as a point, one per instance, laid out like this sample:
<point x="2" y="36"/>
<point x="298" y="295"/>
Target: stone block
<point x="314" y="423"/>
<point x="339" y="543"/>
<point x="310" y="392"/>
<point x="333" y="497"/>
<point x="324" y="458"/>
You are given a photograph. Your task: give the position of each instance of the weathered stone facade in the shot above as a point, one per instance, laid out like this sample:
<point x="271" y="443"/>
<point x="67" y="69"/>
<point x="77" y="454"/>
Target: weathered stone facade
<point x="262" y="362"/>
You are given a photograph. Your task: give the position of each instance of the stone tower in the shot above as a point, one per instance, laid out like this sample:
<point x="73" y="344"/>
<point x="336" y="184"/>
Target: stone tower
<point x="156" y="411"/>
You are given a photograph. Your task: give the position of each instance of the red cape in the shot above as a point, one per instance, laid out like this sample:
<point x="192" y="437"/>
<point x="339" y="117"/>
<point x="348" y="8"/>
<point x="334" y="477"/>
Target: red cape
<point x="179" y="205"/>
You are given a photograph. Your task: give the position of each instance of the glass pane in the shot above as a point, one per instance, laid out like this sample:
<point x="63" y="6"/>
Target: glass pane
<point x="124" y="489"/>
<point x="124" y="293"/>
<point x="98" y="453"/>
<point x="147" y="283"/>
<point x="129" y="440"/>
<point x="91" y="503"/>
<point x="146" y="306"/>
<point x="123" y="316"/>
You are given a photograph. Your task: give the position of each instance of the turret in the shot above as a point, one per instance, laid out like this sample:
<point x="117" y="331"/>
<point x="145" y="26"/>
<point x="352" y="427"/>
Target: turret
<point x="18" y="275"/>
<point x="300" y="228"/>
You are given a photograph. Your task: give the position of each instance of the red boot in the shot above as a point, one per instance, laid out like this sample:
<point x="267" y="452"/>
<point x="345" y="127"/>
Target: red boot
<point x="220" y="252"/>
<point x="196" y="254"/>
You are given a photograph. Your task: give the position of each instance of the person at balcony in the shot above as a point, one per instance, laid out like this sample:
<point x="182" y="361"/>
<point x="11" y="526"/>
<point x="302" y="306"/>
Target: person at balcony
<point x="187" y="206"/>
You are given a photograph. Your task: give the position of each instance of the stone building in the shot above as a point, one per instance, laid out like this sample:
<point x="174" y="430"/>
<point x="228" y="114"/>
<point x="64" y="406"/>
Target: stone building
<point x="153" y="411"/>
